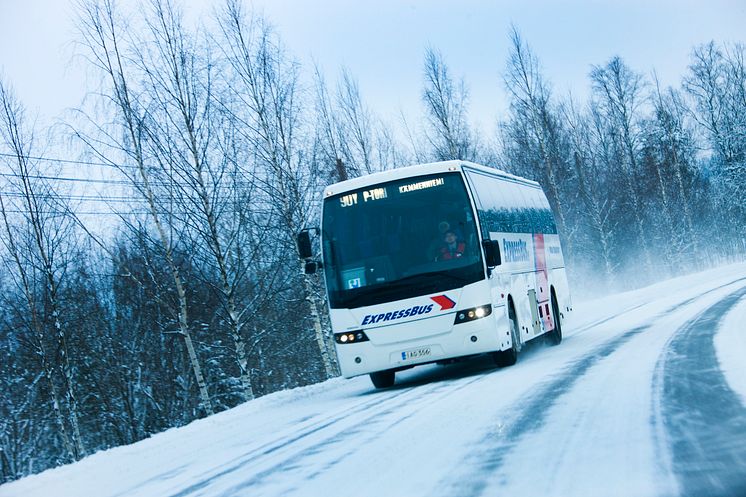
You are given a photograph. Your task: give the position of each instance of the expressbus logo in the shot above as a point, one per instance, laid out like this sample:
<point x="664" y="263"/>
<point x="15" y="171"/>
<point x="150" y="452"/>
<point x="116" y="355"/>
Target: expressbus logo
<point x="515" y="250"/>
<point x="442" y="300"/>
<point x="404" y="313"/>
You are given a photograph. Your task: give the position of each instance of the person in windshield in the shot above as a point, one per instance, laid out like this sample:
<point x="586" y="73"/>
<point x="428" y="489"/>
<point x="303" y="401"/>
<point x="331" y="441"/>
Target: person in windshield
<point x="452" y="247"/>
<point x="436" y="243"/>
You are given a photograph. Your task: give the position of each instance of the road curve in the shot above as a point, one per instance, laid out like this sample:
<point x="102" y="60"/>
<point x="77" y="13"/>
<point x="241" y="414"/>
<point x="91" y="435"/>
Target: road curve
<point x="703" y="418"/>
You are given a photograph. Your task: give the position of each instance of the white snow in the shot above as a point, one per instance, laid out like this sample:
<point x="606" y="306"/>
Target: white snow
<point x="730" y="345"/>
<point x="535" y="428"/>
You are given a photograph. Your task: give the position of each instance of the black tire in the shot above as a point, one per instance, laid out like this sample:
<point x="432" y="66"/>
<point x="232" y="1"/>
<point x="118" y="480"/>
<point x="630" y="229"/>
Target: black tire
<point x="383" y="379"/>
<point x="554" y="337"/>
<point x="509" y="357"/>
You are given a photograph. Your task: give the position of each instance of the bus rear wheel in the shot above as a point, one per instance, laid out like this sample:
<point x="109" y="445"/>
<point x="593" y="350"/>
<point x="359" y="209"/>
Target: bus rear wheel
<point x="555" y="336"/>
<point x="383" y="379"/>
<point x="509" y="357"/>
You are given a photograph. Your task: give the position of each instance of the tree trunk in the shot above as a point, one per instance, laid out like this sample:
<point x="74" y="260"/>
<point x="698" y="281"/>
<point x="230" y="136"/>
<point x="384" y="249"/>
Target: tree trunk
<point x="330" y="366"/>
<point x="184" y="329"/>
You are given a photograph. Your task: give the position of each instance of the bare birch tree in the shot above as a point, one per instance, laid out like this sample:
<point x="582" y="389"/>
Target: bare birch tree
<point x="619" y="94"/>
<point x="535" y="125"/>
<point x="183" y="138"/>
<point x="103" y="38"/>
<point x="330" y="135"/>
<point x="266" y="86"/>
<point x="446" y="112"/>
<point x="358" y="122"/>
<point x="673" y="140"/>
<point x="597" y="205"/>
<point x="37" y="247"/>
<point x="350" y="136"/>
<point x="716" y="82"/>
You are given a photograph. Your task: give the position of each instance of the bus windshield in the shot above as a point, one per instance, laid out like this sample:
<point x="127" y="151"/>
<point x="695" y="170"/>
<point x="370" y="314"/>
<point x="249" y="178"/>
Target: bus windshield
<point x="399" y="240"/>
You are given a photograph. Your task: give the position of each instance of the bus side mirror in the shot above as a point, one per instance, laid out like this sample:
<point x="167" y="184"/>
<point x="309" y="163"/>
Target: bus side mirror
<point x="303" y="240"/>
<point x="491" y="252"/>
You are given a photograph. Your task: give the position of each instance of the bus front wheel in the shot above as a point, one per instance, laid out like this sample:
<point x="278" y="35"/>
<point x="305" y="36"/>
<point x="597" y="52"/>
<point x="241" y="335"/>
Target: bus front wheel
<point x="383" y="379"/>
<point x="555" y="336"/>
<point x="509" y="357"/>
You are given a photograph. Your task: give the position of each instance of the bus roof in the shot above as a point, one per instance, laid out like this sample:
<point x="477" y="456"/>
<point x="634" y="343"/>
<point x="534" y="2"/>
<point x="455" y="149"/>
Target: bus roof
<point x="417" y="170"/>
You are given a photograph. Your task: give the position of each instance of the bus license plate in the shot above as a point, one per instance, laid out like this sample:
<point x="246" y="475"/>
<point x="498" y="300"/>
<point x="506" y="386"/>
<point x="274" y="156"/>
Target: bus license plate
<point x="409" y="355"/>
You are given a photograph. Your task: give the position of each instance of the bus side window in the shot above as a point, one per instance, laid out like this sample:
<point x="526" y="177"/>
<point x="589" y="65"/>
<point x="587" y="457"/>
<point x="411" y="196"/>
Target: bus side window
<point x="501" y="204"/>
<point x="516" y="209"/>
<point x="549" y="223"/>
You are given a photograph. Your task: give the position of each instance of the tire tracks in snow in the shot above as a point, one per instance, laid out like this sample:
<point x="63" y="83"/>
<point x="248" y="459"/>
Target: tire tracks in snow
<point x="374" y="416"/>
<point x="369" y="418"/>
<point x="700" y="419"/>
<point x="532" y="412"/>
<point x="309" y="427"/>
<point x="366" y="429"/>
<point x="684" y="303"/>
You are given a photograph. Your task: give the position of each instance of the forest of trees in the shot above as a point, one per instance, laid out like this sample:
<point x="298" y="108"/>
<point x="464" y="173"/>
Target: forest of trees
<point x="177" y="292"/>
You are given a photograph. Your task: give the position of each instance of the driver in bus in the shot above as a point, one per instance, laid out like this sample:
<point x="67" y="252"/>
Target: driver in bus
<point x="452" y="247"/>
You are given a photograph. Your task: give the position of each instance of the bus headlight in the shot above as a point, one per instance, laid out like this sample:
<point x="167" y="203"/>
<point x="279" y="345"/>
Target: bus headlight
<point x="350" y="337"/>
<point x="466" y="315"/>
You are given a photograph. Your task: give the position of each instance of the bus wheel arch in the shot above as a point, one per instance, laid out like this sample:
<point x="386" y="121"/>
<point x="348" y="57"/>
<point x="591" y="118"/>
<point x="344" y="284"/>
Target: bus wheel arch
<point x="509" y="356"/>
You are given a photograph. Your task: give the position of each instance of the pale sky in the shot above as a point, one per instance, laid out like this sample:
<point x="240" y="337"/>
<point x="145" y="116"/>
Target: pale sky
<point x="382" y="43"/>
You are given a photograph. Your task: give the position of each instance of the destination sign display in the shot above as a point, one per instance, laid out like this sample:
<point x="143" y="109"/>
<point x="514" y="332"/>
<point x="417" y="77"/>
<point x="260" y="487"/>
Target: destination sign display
<point x="422" y="185"/>
<point x="367" y="196"/>
<point x="383" y="192"/>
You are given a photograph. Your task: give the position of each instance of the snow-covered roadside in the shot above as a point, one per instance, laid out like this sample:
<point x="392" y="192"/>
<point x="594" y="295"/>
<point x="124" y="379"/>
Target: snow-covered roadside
<point x="163" y="462"/>
<point x="730" y="346"/>
<point x="588" y="311"/>
<point x="327" y="438"/>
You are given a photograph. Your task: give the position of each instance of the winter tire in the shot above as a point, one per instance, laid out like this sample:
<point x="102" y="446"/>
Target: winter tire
<point x="509" y="357"/>
<point x="554" y="337"/>
<point x="383" y="379"/>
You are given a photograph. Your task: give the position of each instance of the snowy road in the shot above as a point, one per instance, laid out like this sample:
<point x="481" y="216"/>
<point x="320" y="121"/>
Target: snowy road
<point x="645" y="396"/>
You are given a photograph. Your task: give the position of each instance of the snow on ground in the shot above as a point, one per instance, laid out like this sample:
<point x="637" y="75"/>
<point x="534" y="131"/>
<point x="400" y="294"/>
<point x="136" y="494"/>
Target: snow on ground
<point x="730" y="345"/>
<point x="590" y="417"/>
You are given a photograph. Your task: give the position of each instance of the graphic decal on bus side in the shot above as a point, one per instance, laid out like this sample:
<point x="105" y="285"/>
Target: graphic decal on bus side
<point x="542" y="280"/>
<point x="442" y="300"/>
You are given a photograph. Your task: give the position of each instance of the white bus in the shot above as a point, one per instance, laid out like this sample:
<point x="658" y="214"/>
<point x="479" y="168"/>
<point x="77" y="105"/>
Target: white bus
<point x="434" y="262"/>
